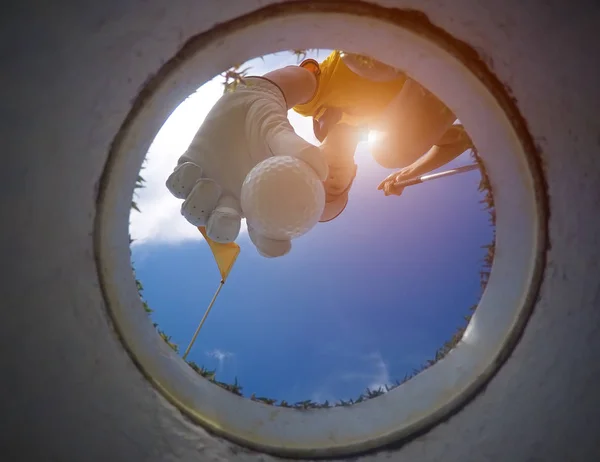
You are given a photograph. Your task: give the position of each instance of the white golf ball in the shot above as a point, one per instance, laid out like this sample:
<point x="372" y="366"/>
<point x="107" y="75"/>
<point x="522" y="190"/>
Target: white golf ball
<point x="282" y="197"/>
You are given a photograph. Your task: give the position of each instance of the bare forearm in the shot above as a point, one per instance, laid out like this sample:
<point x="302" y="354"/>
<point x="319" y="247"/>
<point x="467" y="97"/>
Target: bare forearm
<point x="435" y="158"/>
<point x="297" y="84"/>
<point x="451" y="145"/>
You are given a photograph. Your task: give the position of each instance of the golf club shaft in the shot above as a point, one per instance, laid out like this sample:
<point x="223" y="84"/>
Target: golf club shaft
<point x="433" y="176"/>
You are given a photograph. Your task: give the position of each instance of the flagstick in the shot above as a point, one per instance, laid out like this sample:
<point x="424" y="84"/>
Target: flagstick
<point x="203" y="319"/>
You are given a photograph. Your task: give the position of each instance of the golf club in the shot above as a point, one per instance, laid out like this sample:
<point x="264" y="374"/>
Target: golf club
<point x="433" y="176"/>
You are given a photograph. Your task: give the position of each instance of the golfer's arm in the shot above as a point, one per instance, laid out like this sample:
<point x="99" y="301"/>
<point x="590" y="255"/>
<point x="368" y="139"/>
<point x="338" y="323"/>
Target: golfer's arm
<point x="297" y="84"/>
<point x="435" y="158"/>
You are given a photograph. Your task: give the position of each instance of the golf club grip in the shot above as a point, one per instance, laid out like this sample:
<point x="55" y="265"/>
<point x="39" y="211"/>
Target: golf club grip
<point x="405" y="183"/>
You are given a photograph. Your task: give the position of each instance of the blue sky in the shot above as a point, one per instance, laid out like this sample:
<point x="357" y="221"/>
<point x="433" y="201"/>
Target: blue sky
<point x="359" y="302"/>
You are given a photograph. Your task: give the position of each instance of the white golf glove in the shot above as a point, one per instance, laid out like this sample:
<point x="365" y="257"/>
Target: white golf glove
<point x="242" y="129"/>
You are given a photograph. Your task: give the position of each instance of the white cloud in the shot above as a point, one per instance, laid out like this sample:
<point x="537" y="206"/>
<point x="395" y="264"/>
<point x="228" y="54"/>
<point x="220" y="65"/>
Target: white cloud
<point x="381" y="375"/>
<point x="160" y="219"/>
<point x="219" y="355"/>
<point x="375" y="375"/>
<point x="372" y="372"/>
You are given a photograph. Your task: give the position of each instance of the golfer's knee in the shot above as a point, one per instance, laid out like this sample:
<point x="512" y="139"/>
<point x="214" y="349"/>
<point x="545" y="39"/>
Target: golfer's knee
<point x="391" y="157"/>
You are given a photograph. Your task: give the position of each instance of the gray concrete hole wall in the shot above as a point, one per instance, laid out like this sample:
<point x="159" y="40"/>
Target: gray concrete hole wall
<point x="73" y="74"/>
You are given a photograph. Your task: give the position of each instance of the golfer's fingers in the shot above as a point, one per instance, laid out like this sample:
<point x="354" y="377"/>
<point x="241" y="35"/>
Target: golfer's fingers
<point x="389" y="188"/>
<point x="383" y="183"/>
<point x="396" y="191"/>
<point x="389" y="179"/>
<point x="386" y="186"/>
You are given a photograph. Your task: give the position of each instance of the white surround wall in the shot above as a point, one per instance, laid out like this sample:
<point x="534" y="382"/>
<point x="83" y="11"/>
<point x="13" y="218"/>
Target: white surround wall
<point x="70" y="71"/>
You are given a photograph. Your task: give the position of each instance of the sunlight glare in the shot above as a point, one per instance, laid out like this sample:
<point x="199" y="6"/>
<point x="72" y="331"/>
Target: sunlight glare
<point x="373" y="137"/>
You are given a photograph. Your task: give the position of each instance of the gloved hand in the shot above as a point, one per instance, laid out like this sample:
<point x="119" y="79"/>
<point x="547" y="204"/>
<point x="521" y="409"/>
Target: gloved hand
<point x="204" y="202"/>
<point x="244" y="128"/>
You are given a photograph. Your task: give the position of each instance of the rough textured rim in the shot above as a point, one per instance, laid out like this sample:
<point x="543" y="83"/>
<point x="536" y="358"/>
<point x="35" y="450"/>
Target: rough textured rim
<point x="521" y="233"/>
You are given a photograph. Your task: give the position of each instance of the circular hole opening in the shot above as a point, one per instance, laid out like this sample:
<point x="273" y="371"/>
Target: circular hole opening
<point x="497" y="130"/>
<point x="350" y="314"/>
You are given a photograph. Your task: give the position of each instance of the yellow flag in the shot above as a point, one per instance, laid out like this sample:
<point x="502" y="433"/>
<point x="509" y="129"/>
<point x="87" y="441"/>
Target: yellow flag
<point x="225" y="254"/>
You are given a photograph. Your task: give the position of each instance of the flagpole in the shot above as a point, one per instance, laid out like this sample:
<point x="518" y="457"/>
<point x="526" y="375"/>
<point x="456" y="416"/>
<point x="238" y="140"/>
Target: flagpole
<point x="212" y="302"/>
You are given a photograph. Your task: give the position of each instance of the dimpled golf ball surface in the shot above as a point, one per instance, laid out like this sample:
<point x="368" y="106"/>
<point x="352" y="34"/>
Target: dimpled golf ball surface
<point x="282" y="198"/>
